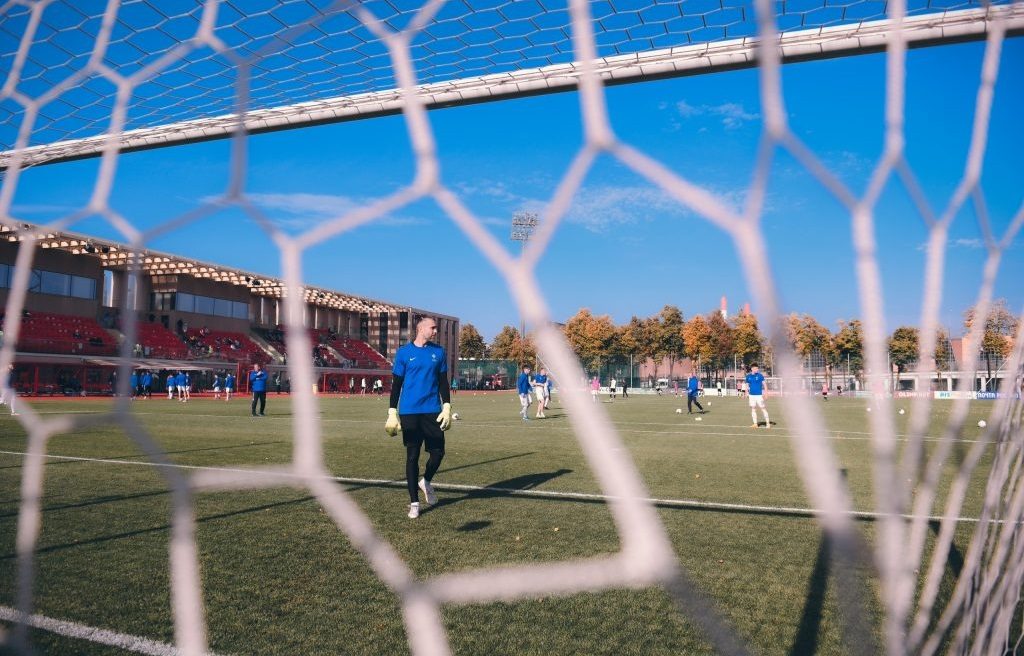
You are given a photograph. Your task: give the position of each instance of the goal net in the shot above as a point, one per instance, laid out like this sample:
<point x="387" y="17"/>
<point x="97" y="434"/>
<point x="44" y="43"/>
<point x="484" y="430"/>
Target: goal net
<point x="90" y="79"/>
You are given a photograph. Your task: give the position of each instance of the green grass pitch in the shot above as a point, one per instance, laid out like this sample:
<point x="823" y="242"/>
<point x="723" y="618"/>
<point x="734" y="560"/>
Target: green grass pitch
<point x="280" y="578"/>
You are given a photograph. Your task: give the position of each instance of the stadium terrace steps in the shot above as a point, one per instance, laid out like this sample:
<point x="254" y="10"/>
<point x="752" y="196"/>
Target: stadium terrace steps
<point x="159" y="342"/>
<point x="45" y="332"/>
<point x="225" y="345"/>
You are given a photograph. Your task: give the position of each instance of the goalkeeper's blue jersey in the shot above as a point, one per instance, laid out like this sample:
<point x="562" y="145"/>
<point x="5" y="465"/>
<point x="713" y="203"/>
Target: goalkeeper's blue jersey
<point x="755" y="384"/>
<point x="419" y="367"/>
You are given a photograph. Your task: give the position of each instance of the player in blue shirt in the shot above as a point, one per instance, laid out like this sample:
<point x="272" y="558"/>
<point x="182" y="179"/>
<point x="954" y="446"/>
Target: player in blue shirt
<point x="134" y="383"/>
<point x="147" y="384"/>
<point x="258" y="386"/>
<point x="755" y="396"/>
<point x="172" y="385"/>
<point x="523" y="385"/>
<point x="216" y="386"/>
<point x="229" y="386"/>
<point x="692" y="390"/>
<point x="540" y="390"/>
<point x="421" y="408"/>
<point x="179" y="382"/>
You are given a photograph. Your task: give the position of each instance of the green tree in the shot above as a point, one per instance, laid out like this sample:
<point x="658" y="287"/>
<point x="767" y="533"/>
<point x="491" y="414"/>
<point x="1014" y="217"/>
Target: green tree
<point x="471" y="342"/>
<point x="848" y="343"/>
<point x="723" y="341"/>
<point x="903" y="345"/>
<point x="650" y="342"/>
<point x="670" y="342"/>
<point x="943" y="351"/>
<point x="748" y="343"/>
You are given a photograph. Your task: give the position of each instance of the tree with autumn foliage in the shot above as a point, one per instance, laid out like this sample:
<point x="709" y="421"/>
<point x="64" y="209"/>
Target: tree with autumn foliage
<point x="999" y="332"/>
<point x="700" y="343"/>
<point x="591" y="338"/>
<point x="508" y="344"/>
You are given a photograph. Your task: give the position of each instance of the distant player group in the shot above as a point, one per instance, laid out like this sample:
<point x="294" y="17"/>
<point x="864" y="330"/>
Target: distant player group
<point x="539" y="386"/>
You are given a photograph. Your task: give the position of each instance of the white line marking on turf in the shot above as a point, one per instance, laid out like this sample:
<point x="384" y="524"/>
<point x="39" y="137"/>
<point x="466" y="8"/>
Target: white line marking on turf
<point x="132" y="643"/>
<point x="678" y="503"/>
<point x="845" y="435"/>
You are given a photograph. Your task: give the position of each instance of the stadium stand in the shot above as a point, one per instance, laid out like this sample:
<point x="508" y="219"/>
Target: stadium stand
<point x="221" y="344"/>
<point x="360" y="353"/>
<point x="45" y="332"/>
<point x="158" y="342"/>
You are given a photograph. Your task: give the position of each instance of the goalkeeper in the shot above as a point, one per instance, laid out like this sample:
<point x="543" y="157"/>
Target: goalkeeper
<point x="421" y="408"/>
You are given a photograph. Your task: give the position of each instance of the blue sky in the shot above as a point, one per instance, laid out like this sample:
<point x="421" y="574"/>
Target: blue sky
<point x="626" y="248"/>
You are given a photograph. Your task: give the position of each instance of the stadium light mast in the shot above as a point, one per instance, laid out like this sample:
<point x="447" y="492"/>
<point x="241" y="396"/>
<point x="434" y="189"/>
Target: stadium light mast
<point x="523" y="225"/>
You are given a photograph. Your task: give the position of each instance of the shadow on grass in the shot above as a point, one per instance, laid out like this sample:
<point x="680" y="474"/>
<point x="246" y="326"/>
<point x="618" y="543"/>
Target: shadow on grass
<point x="96" y="502"/>
<point x="806" y="640"/>
<point x="445" y="470"/>
<point x="143" y="455"/>
<point x="955" y="559"/>
<point x="163" y="528"/>
<point x="505" y="488"/>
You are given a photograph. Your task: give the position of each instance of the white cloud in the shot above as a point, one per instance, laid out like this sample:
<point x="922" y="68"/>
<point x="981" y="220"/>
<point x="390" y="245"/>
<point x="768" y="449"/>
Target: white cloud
<point x="732" y="115"/>
<point x="961" y="242"/>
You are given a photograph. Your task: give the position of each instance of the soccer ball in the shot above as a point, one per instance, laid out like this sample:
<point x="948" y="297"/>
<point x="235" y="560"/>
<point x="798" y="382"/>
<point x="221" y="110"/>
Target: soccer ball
<point x="699" y="419"/>
<point x="902" y="411"/>
<point x="679" y="411"/>
<point x="455" y="416"/>
<point x="869" y="409"/>
<point x="982" y="424"/>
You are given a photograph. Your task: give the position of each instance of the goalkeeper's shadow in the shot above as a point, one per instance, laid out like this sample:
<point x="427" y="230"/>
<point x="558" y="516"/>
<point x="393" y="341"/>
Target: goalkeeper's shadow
<point x="506" y="488"/>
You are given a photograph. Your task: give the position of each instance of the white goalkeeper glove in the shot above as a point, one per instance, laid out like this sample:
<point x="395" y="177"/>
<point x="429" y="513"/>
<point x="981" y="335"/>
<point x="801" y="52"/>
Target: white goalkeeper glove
<point x="392" y="425"/>
<point x="445" y="418"/>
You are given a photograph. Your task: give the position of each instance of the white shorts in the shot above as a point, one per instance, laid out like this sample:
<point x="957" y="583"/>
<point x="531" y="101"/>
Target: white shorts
<point x="216" y="388"/>
<point x="756" y="400"/>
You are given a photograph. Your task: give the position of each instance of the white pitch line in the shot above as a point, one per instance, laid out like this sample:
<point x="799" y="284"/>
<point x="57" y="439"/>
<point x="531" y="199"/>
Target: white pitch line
<point x="847" y="435"/>
<point x="544" y="494"/>
<point x="132" y="643"/>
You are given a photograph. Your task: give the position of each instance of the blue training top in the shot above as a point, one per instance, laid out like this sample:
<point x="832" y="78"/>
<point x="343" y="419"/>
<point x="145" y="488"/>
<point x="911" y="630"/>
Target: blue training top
<point x="229" y="381"/>
<point x="541" y="379"/>
<point x="755" y="384"/>
<point x="692" y="386"/>
<point x="419" y="367"/>
<point x="258" y="381"/>
<point x="523" y="383"/>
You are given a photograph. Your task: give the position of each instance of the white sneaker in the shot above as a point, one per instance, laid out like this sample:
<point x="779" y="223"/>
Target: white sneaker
<point x="414" y="510"/>
<point x="428" y="492"/>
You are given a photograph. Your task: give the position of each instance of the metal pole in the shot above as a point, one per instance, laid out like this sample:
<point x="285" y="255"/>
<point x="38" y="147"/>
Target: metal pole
<point x="523" y="225"/>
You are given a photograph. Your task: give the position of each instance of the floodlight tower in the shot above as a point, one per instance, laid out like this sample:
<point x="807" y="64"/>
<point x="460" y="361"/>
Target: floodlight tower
<point x="523" y="225"/>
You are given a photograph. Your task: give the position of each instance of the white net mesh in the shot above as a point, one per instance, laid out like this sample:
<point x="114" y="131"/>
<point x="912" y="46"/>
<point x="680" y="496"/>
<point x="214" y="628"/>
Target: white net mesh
<point x="216" y="59"/>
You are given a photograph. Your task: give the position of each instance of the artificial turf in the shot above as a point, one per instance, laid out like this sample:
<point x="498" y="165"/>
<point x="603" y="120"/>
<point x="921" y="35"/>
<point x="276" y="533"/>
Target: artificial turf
<point x="280" y="578"/>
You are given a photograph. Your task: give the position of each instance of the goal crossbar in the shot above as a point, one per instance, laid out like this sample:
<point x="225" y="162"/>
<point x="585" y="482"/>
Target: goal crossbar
<point x="710" y="57"/>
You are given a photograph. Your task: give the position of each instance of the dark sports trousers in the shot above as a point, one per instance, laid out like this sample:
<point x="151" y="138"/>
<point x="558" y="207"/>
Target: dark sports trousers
<point x="417" y="430"/>
<point x="262" y="398"/>
<point x="690" y="401"/>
